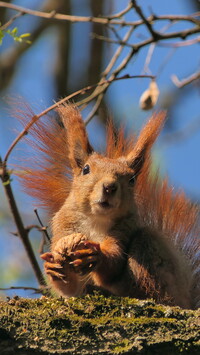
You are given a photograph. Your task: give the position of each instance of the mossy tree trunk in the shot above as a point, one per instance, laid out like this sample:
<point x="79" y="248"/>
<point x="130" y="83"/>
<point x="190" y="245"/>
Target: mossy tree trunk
<point x="96" y="325"/>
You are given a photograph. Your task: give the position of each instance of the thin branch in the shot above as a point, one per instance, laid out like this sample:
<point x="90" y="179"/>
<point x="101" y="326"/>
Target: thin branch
<point x="43" y="229"/>
<point x="116" y="54"/>
<point x="180" y="34"/>
<point x="146" y="22"/>
<point x="189" y="42"/>
<point x="151" y="50"/>
<point x="12" y="19"/>
<point x="134" y="49"/>
<point x="113" y="41"/>
<point x="115" y="32"/>
<point x="45" y="236"/>
<point x="95" y="109"/>
<point x="20" y="226"/>
<point x="121" y="13"/>
<point x="28" y="229"/>
<point x="191" y="18"/>
<point x="36" y="290"/>
<point x="148" y="58"/>
<point x="57" y="16"/>
<point x="101" y="20"/>
<point x="187" y="81"/>
<point x="162" y="37"/>
<point x="105" y="73"/>
<point x="105" y="84"/>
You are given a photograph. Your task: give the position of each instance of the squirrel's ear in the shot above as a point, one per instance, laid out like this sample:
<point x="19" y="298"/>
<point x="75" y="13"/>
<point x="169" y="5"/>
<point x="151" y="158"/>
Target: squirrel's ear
<point x="146" y="139"/>
<point x="77" y="139"/>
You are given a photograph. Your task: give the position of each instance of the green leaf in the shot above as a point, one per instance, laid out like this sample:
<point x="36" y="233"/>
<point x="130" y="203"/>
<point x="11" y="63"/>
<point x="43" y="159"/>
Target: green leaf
<point x="14" y="34"/>
<point x="14" y="31"/>
<point x="17" y="39"/>
<point x="2" y="34"/>
<point x="25" y="35"/>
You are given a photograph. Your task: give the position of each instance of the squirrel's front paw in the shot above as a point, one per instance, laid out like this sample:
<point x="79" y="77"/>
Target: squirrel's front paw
<point x="85" y="257"/>
<point x="54" y="269"/>
<point x="57" y="263"/>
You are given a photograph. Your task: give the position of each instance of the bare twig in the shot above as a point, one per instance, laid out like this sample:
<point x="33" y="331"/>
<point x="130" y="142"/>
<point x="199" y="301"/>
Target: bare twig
<point x="134" y="49"/>
<point x="116" y="54"/>
<point x="36" y="290"/>
<point x="114" y="30"/>
<point x="148" y="58"/>
<point x="121" y="13"/>
<point x="151" y="50"/>
<point x="104" y="75"/>
<point x="95" y="109"/>
<point x="180" y="34"/>
<point x="45" y="236"/>
<point x="189" y="42"/>
<point x="43" y="229"/>
<point x="100" y="20"/>
<point x="187" y="81"/>
<point x="12" y="19"/>
<point x="191" y="18"/>
<point x="162" y="37"/>
<point x="111" y="40"/>
<point x="139" y="11"/>
<point x="28" y="229"/>
<point x="71" y="18"/>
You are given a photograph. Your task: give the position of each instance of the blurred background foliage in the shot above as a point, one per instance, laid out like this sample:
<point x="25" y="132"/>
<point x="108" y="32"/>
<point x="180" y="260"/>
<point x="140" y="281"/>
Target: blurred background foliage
<point x="64" y="57"/>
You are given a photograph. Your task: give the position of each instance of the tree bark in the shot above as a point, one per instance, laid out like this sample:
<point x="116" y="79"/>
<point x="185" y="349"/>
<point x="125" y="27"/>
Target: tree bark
<point x="96" y="325"/>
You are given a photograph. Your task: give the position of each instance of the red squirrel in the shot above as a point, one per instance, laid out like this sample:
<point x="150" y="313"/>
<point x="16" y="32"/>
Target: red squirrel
<point x="113" y="225"/>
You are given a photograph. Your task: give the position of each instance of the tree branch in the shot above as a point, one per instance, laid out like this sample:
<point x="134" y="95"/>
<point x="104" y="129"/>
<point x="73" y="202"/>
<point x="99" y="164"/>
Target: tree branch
<point x="161" y="37"/>
<point x="22" y="232"/>
<point x="101" y="20"/>
<point x="9" y="22"/>
<point x="25" y="288"/>
<point x="137" y="8"/>
<point x="187" y="81"/>
<point x="134" y="49"/>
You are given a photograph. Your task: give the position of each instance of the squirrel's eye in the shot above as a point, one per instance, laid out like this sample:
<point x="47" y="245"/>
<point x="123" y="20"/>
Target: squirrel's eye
<point x="132" y="181"/>
<point x="86" y="169"/>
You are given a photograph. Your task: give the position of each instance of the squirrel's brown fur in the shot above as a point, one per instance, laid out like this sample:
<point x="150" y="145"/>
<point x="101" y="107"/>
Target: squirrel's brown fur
<point x="113" y="224"/>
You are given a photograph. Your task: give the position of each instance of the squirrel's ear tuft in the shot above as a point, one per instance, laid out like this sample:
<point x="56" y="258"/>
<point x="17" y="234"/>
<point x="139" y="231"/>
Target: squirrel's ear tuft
<point x="77" y="139"/>
<point x="145" y="141"/>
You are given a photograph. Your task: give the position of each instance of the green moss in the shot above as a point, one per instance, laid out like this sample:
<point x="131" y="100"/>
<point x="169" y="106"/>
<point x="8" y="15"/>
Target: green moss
<point x="95" y="324"/>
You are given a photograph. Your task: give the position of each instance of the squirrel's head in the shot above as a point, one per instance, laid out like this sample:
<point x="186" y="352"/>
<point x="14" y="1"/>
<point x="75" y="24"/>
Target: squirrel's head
<point x="103" y="185"/>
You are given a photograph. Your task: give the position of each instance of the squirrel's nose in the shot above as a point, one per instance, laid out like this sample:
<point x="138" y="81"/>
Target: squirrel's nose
<point x="109" y="188"/>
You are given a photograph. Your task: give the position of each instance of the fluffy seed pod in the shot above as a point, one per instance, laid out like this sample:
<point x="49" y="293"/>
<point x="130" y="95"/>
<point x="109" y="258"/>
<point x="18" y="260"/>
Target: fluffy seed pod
<point x="149" y="96"/>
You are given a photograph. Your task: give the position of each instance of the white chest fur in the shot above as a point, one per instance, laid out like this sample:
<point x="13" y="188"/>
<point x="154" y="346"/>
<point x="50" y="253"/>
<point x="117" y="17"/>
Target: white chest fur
<point x="96" y="228"/>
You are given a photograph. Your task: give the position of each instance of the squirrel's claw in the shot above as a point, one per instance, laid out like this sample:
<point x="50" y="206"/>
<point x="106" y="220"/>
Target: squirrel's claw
<point x="83" y="269"/>
<point x="55" y="270"/>
<point x="85" y="260"/>
<point x="95" y="247"/>
<point x="47" y="257"/>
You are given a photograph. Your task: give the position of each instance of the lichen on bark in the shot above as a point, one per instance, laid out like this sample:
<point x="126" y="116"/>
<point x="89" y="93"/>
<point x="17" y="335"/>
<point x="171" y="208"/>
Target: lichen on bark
<point x="95" y="324"/>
